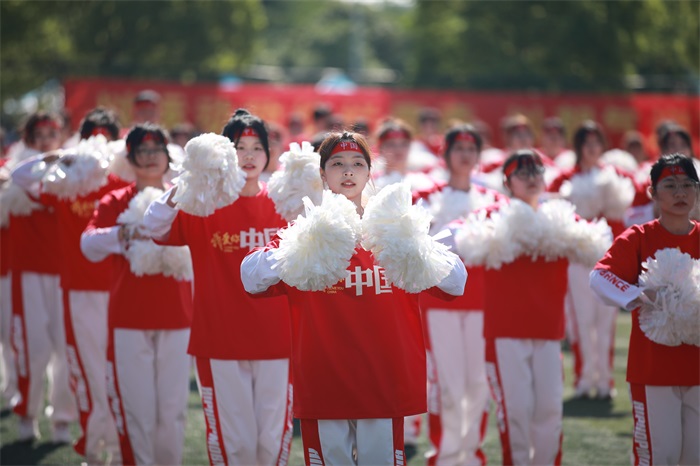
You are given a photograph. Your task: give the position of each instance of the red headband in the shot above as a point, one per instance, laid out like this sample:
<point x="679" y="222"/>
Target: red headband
<point x="508" y="170"/>
<point x="347" y="146"/>
<point x="147" y="137"/>
<point x="393" y="134"/>
<point x="671" y="170"/>
<point x="468" y="137"/>
<point x="46" y="123"/>
<point x="100" y="130"/>
<point x="248" y="131"/>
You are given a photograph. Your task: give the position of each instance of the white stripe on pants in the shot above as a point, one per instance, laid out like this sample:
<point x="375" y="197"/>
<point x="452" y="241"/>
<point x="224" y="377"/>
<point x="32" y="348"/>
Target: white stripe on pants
<point x="44" y="347"/>
<point x="526" y="378"/>
<point x="457" y="346"/>
<point x="666" y="424"/>
<point x="88" y="314"/>
<point x="595" y="325"/>
<point x="153" y="377"/>
<point x="8" y="373"/>
<point x="251" y="402"/>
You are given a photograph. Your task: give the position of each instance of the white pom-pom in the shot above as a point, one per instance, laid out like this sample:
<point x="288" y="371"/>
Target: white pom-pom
<point x="619" y="193"/>
<point x="177" y="263"/>
<point x="299" y="178"/>
<point x="452" y="204"/>
<point x="397" y="234"/>
<point x="620" y="159"/>
<point x="315" y="251"/>
<point x="81" y="170"/>
<point x="15" y="201"/>
<point x="119" y="165"/>
<point x="671" y="319"/>
<point x="144" y="256"/>
<point x="473" y="237"/>
<point x="211" y="178"/>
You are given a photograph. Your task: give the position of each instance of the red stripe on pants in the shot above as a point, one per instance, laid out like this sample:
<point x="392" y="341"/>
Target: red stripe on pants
<point x="215" y="442"/>
<point x="641" y="440"/>
<point x="19" y="344"/>
<point x="496" y="386"/>
<point x="313" y="453"/>
<point x="78" y="378"/>
<point x="288" y="429"/>
<point x="116" y="406"/>
<point x="399" y="453"/>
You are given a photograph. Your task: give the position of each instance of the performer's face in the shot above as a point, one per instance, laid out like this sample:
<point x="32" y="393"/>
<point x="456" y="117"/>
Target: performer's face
<point x="251" y="156"/>
<point x="676" y="195"/>
<point x="346" y="173"/>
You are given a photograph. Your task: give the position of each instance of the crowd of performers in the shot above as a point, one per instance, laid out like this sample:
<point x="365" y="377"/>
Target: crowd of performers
<point x="353" y="282"/>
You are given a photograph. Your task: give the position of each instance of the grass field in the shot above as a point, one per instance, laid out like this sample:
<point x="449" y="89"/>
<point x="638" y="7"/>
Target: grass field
<point x="595" y="433"/>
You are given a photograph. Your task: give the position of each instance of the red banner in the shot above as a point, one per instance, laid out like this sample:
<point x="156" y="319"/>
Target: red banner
<point x="208" y="106"/>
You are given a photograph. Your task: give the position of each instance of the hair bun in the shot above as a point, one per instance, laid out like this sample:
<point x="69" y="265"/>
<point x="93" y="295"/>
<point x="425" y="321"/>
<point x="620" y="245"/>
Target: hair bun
<point x="241" y="112"/>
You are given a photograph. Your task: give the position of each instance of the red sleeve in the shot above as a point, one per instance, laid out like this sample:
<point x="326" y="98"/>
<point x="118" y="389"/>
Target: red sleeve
<point x="623" y="258"/>
<point x="105" y="215"/>
<point x="555" y="185"/>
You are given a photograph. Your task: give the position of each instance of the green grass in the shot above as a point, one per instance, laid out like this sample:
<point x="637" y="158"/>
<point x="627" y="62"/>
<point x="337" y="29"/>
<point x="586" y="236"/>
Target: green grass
<point x="595" y="433"/>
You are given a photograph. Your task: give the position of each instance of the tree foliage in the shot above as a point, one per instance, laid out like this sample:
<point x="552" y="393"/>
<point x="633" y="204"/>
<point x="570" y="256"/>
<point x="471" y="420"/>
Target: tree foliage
<point x="461" y="44"/>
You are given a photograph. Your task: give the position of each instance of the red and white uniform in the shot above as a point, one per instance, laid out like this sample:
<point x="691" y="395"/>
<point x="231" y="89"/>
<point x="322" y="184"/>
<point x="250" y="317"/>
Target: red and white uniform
<point x="241" y="344"/>
<point x="8" y="372"/>
<point x="357" y="352"/>
<point x="147" y="361"/>
<point x="458" y="390"/>
<point x="664" y="380"/>
<point x="523" y="325"/>
<point x="85" y="296"/>
<point x="590" y="322"/>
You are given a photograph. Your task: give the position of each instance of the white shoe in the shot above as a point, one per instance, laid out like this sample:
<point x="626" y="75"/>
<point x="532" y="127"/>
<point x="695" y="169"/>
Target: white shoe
<point x="60" y="432"/>
<point x="28" y="429"/>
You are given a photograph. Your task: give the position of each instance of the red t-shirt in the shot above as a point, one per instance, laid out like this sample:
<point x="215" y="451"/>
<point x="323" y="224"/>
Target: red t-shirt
<point x="149" y="302"/>
<point x="357" y="347"/>
<point x="650" y="363"/>
<point x="78" y="273"/>
<point x="228" y="323"/>
<point x="34" y="245"/>
<point x="4" y="251"/>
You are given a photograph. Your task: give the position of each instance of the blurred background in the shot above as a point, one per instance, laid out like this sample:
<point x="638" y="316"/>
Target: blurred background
<point x="628" y="64"/>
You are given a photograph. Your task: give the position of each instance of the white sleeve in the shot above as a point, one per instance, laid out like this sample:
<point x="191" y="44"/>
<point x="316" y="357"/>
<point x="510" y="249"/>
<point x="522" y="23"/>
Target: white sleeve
<point x="455" y="282"/>
<point x="26" y="177"/>
<point x="99" y="243"/>
<point x="257" y="274"/>
<point x="159" y="217"/>
<point x="612" y="289"/>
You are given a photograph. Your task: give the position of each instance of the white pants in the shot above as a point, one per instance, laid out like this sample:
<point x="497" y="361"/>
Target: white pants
<point x="666" y="425"/>
<point x="8" y="372"/>
<point x="248" y="410"/>
<point x="86" y="338"/>
<point x="39" y="343"/>
<point x="148" y="385"/>
<point x="360" y="442"/>
<point x="458" y="390"/>
<point x="525" y="377"/>
<point x="594" y="325"/>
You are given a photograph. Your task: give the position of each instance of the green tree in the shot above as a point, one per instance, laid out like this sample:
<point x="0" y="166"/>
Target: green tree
<point x="574" y="45"/>
<point x="172" y="39"/>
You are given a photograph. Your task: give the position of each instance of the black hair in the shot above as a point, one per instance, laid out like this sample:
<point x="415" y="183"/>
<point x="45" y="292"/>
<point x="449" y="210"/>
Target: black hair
<point x="453" y="132"/>
<point x="100" y="117"/>
<point x="526" y="159"/>
<point x="242" y="119"/>
<point x="670" y="160"/>
<point x="138" y="133"/>
<point x="35" y="120"/>
<point x="586" y="128"/>
<point x="678" y="131"/>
